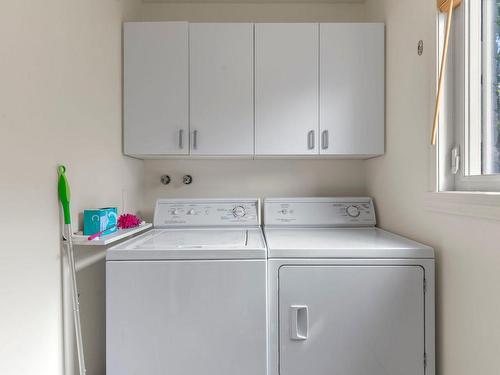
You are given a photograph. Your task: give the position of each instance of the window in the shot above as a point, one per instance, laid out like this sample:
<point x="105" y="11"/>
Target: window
<point x="491" y="91"/>
<point x="472" y="157"/>
<point x="484" y="148"/>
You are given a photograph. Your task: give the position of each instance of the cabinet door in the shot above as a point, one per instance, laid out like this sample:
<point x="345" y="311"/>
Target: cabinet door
<point x="221" y="88"/>
<point x="155" y="88"/>
<point x="354" y="320"/>
<point x="352" y="88"/>
<point x="286" y="89"/>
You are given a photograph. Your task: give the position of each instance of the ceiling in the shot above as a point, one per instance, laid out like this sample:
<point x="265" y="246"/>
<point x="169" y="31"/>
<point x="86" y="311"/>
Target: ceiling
<point x="257" y="1"/>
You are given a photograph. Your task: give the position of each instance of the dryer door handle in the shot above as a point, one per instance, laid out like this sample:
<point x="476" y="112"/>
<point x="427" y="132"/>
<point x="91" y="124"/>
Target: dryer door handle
<point x="299" y="322"/>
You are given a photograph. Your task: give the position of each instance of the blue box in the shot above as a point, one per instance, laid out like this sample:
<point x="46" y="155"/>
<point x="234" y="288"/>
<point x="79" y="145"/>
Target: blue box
<point x="100" y="219"/>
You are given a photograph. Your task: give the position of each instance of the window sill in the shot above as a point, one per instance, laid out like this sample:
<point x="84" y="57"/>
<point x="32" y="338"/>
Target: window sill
<point x="484" y="205"/>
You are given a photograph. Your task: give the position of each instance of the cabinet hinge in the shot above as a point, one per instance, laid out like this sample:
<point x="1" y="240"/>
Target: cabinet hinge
<point x="425" y="360"/>
<point x="425" y="285"/>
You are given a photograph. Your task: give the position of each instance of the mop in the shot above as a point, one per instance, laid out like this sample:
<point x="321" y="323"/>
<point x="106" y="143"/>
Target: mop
<point x="64" y="197"/>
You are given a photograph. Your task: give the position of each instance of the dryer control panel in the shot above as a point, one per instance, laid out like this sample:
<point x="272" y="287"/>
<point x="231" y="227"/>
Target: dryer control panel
<point x="206" y="213"/>
<point x="319" y="212"/>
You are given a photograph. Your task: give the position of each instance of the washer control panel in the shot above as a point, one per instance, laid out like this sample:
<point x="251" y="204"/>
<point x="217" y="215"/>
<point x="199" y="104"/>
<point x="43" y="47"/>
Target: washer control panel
<point x="206" y="212"/>
<point x="319" y="212"/>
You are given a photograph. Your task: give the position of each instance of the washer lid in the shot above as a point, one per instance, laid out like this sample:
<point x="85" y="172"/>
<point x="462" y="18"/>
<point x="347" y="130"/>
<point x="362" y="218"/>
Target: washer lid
<point x="341" y="243"/>
<point x="202" y="243"/>
<point x="185" y="239"/>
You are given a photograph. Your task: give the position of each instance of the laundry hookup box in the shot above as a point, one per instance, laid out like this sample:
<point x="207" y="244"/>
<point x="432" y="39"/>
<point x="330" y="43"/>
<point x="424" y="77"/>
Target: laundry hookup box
<point x="100" y="219"/>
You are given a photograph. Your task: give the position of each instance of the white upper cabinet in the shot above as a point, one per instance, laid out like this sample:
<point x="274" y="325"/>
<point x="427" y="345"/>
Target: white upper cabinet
<point x="221" y="88"/>
<point x="156" y="88"/>
<point x="286" y="89"/>
<point x="352" y="88"/>
<point x="242" y="89"/>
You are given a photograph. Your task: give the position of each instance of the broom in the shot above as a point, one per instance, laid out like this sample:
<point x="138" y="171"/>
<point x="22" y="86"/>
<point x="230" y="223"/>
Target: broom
<point x="444" y="6"/>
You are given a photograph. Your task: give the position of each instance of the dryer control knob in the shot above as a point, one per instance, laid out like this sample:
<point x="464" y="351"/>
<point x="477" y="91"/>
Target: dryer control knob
<point x="353" y="211"/>
<point x="239" y="211"/>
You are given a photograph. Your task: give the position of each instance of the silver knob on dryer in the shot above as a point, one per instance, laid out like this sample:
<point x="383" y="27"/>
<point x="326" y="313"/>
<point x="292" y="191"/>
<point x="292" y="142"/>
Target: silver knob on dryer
<point x="352" y="211"/>
<point x="239" y="211"/>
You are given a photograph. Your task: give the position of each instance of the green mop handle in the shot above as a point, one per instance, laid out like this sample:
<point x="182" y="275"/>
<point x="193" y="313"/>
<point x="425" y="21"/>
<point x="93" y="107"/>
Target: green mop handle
<point x="64" y="193"/>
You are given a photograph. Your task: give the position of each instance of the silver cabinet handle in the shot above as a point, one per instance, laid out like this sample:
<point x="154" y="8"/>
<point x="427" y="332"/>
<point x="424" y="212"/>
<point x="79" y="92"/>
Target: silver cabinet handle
<point x="310" y="140"/>
<point x="181" y="139"/>
<point x="324" y="140"/>
<point x="195" y="139"/>
<point x="299" y="322"/>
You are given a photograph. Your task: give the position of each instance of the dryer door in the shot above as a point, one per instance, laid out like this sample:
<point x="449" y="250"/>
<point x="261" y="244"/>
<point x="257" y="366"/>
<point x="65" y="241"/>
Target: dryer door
<point x="354" y="320"/>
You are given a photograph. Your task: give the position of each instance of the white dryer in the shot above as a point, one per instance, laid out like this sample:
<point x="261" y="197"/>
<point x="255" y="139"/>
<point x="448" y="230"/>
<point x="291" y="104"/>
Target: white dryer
<point x="344" y="296"/>
<point x="189" y="297"/>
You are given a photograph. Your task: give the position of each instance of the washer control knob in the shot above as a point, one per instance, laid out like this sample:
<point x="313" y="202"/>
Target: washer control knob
<point x="284" y="211"/>
<point x="191" y="212"/>
<point x="239" y="211"/>
<point x="353" y="211"/>
<point x="175" y="211"/>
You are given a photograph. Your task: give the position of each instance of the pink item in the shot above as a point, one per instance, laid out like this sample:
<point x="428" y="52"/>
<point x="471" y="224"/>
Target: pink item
<point x="96" y="235"/>
<point x="127" y="221"/>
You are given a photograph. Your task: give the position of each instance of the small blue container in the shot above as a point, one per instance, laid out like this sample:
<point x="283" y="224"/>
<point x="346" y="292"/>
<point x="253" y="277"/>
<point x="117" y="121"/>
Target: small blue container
<point x="100" y="219"/>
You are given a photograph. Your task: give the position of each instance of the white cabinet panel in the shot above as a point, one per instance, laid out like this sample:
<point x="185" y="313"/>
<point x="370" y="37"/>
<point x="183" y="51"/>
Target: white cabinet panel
<point x="286" y="89"/>
<point x="354" y="320"/>
<point x="186" y="317"/>
<point x="221" y="88"/>
<point x="315" y="89"/>
<point x="352" y="88"/>
<point x="156" y="88"/>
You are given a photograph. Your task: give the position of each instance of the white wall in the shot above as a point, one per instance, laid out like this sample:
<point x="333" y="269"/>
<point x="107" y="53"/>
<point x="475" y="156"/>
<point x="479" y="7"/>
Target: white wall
<point x="60" y="102"/>
<point x="252" y="178"/>
<point x="255" y="178"/>
<point x="468" y="249"/>
<point x="273" y="12"/>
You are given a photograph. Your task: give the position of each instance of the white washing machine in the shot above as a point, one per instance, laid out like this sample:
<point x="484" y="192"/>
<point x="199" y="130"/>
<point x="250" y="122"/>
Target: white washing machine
<point x="189" y="297"/>
<point x="344" y="296"/>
